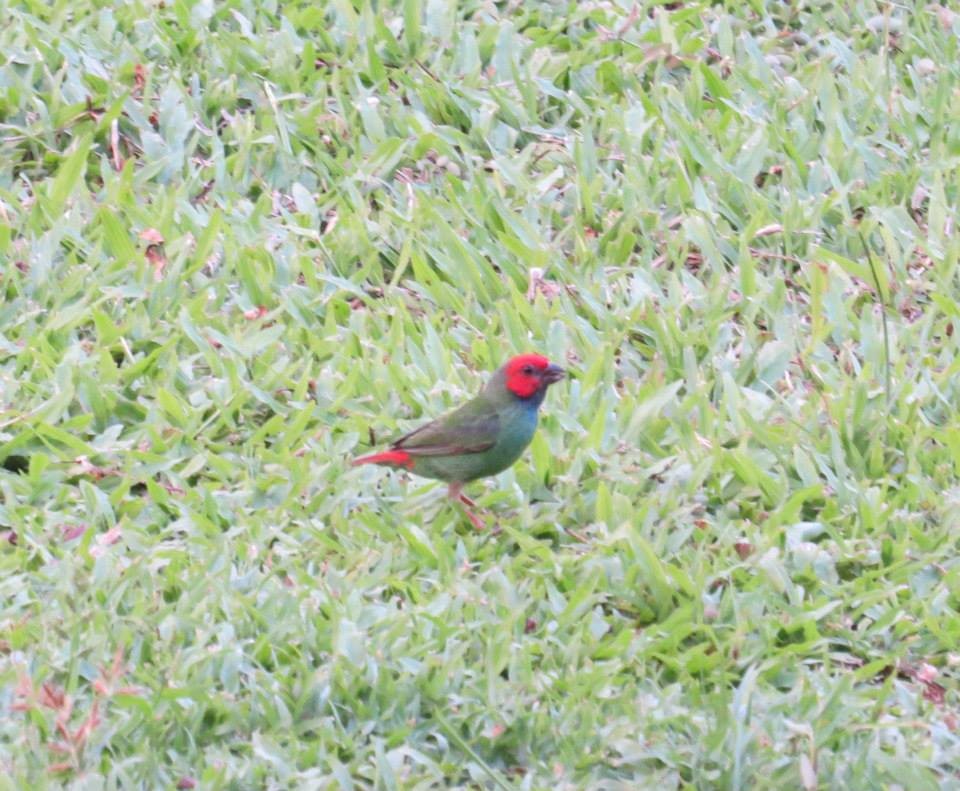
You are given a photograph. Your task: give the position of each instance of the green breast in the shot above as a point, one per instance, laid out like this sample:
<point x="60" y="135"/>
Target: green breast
<point x="517" y="427"/>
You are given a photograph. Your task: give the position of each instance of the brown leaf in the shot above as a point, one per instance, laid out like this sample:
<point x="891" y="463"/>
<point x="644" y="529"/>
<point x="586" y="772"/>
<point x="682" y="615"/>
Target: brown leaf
<point x="768" y="230"/>
<point x="945" y="16"/>
<point x="51" y="696"/>
<point x="63" y="717"/>
<point x="151" y="236"/>
<point x="85" y="467"/>
<point x="157" y="260"/>
<point x="495" y="731"/>
<point x="115" y="145"/>
<point x="23" y="692"/>
<point x="537" y="285"/>
<point x="744" y="548"/>
<point x="654" y="52"/>
<point x="171" y="488"/>
<point x="925" y="674"/>
<point x="329" y="222"/>
<point x="935" y="693"/>
<point x="631" y="19"/>
<point x="112" y="536"/>
<point x="808" y="773"/>
<point x="71" y="532"/>
<point x="761" y="178"/>
<point x="139" y="79"/>
<point x="82" y="733"/>
<point x="116" y="668"/>
<point x="201" y="196"/>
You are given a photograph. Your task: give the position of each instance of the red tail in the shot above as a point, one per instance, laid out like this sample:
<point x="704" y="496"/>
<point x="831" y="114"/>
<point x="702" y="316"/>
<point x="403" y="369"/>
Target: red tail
<point x="392" y="458"/>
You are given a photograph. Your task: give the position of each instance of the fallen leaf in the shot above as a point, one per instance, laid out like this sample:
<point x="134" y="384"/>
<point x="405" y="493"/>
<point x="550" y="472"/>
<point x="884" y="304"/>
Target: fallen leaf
<point x="808" y="773"/>
<point x="945" y="16"/>
<point x="768" y="230"/>
<point x="536" y="284"/>
<point x="139" y="79"/>
<point x="157" y="260"/>
<point x="151" y="236"/>
<point x="172" y="488"/>
<point x="744" y="548"/>
<point x="83" y="466"/>
<point x="495" y="731"/>
<point x="71" y="532"/>
<point x="255" y="313"/>
<point x="112" y="536"/>
<point x="81" y="734"/>
<point x="51" y="696"/>
<point x="115" y="145"/>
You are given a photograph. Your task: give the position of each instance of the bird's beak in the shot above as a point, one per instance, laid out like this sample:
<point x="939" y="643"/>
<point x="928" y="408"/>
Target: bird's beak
<point x="553" y="373"/>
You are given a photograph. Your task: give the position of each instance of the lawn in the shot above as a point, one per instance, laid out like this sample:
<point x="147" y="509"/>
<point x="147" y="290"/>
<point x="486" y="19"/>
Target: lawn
<point x="244" y="242"/>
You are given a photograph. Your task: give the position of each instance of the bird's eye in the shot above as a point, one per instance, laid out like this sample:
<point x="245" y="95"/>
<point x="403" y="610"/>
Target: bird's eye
<point x="527" y="369"/>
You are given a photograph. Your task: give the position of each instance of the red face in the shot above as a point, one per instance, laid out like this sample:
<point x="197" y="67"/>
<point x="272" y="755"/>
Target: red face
<point x="528" y="373"/>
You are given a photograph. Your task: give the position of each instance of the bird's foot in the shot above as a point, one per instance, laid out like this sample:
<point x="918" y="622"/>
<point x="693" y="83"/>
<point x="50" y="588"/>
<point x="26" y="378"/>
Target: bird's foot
<point x="457" y="495"/>
<point x="475" y="520"/>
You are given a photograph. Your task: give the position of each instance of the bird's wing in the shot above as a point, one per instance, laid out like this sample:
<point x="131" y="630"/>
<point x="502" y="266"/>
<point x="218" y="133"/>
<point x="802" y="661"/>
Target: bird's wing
<point x="467" y="430"/>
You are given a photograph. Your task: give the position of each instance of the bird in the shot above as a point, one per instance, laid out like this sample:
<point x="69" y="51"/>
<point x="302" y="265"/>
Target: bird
<point x="481" y="438"/>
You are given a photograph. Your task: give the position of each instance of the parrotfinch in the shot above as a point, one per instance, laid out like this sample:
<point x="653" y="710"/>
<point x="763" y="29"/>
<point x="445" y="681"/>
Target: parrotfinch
<point x="481" y="438"/>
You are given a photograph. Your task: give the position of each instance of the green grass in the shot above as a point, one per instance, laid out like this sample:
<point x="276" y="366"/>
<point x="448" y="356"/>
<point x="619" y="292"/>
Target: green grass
<point x="238" y="240"/>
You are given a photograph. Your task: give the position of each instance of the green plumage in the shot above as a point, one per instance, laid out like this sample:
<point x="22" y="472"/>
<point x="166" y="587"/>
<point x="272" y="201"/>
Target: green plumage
<point x="481" y="438"/>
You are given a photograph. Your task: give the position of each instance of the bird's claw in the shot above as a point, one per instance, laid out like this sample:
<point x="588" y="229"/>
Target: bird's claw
<point x="475" y="520"/>
<point x="457" y="495"/>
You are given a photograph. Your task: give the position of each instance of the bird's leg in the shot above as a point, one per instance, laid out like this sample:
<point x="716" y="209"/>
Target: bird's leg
<point x="457" y="495"/>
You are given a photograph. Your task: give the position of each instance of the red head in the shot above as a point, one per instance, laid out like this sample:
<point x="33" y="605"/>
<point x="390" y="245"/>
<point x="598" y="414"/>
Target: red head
<point x="526" y="374"/>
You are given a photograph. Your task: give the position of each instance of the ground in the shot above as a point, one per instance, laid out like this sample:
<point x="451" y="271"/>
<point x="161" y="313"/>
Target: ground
<point x="245" y="241"/>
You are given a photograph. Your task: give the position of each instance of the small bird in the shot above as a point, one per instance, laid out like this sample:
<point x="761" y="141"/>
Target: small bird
<point x="481" y="438"/>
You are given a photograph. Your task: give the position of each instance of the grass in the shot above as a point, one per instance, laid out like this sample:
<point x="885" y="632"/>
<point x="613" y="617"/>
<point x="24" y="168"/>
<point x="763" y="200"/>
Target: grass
<point x="243" y="240"/>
